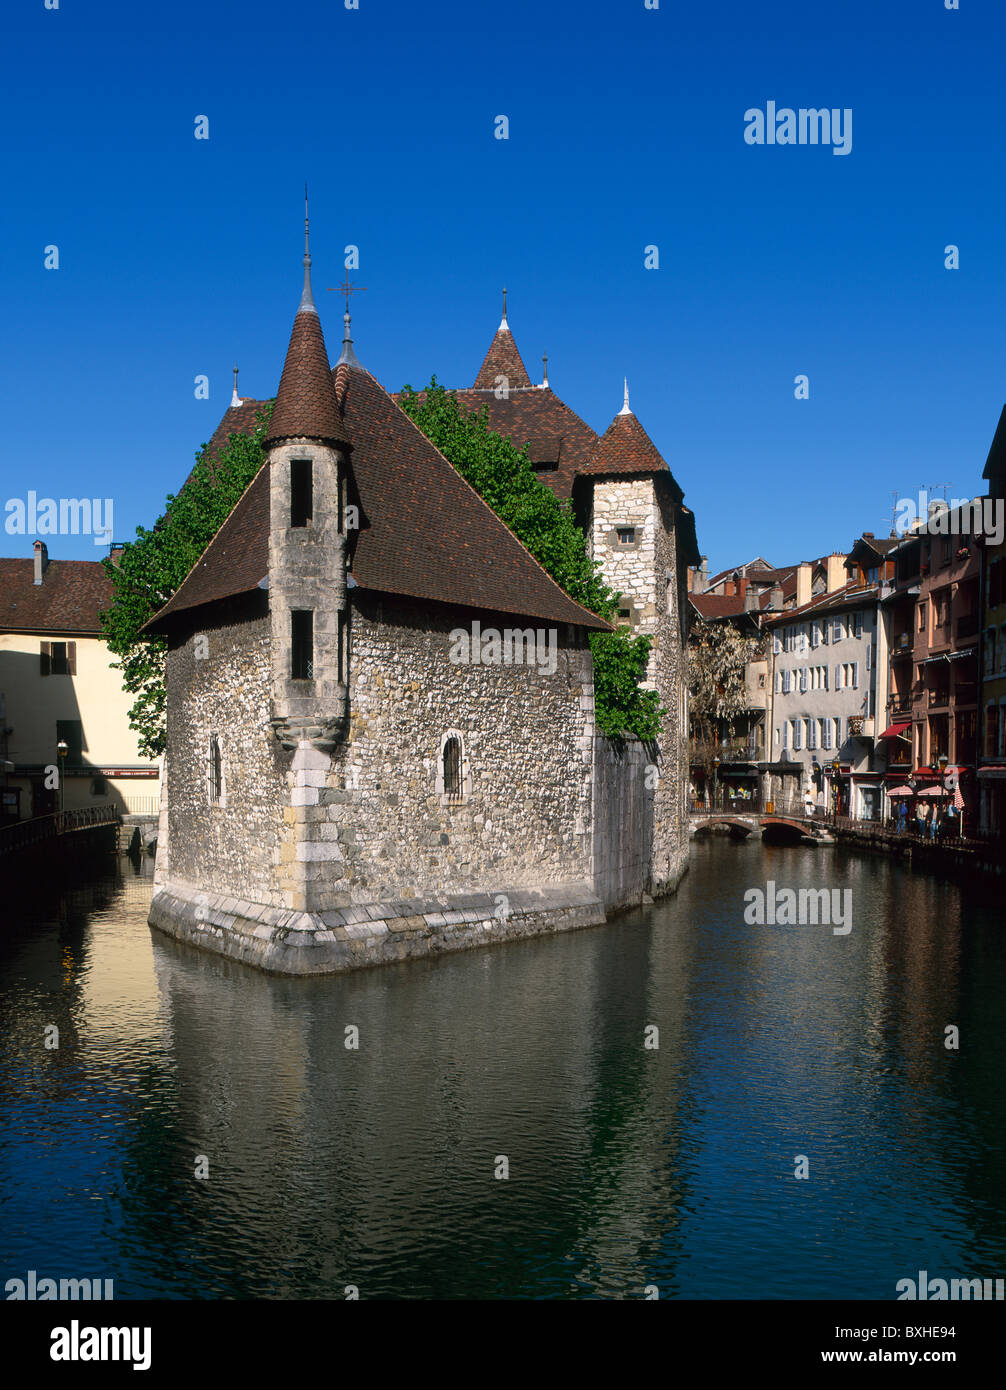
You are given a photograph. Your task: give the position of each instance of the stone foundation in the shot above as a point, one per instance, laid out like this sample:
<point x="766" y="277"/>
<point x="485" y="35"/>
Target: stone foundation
<point x="308" y="943"/>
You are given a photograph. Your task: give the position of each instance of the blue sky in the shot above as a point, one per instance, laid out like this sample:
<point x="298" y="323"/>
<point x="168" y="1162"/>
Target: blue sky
<point x="179" y="257"/>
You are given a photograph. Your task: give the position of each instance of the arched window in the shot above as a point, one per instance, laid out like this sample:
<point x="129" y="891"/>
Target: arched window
<point x="452" y="770"/>
<point x="215" y="773"/>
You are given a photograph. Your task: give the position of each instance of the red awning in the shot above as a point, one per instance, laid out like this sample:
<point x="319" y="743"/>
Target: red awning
<point x="896" y="730"/>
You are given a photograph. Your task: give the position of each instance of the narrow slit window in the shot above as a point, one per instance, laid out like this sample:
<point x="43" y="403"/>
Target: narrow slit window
<point x="216" y="778"/>
<point x="302" y="641"/>
<point x="343" y="651"/>
<point x="301" y="491"/>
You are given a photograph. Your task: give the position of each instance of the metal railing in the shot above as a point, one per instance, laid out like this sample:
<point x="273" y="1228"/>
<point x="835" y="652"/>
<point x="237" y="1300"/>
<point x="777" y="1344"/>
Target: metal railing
<point x="41" y="828"/>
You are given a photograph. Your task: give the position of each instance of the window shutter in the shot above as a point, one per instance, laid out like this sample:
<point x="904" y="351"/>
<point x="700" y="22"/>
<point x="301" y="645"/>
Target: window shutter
<point x="45" y="659"/>
<point x="71" y="658"/>
<point x="825" y="670"/>
<point x="869" y="658"/>
<point x="824" y="632"/>
<point x="803" y="680"/>
<point x="838" y="676"/>
<point x="776" y="645"/>
<point x="855" y="675"/>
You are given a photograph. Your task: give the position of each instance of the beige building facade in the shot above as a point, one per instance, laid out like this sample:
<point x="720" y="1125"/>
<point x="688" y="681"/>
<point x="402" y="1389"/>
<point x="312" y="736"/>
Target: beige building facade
<point x="58" y="686"/>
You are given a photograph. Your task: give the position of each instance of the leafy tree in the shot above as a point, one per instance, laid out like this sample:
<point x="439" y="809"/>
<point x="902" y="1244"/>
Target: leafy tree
<point x="503" y="476"/>
<point x="717" y="658"/>
<point x="153" y="566"/>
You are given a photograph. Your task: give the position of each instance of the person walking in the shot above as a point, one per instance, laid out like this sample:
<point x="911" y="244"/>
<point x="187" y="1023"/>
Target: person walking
<point x="902" y="816"/>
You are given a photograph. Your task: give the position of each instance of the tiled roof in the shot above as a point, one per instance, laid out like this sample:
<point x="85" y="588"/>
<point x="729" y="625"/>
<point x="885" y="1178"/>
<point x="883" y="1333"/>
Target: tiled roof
<point x="851" y="595"/>
<point x="538" y="418"/>
<point x="717" y="605"/>
<point x="625" y="448"/>
<point x="305" y="403"/>
<point x="502" y="359"/>
<point x="69" y="599"/>
<point x="424" y="532"/>
<point x="237" y="419"/>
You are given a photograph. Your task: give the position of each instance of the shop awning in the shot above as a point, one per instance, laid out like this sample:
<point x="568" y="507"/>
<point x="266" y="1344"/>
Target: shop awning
<point x="896" y="730"/>
<point x="933" y="792"/>
<point x="900" y="792"/>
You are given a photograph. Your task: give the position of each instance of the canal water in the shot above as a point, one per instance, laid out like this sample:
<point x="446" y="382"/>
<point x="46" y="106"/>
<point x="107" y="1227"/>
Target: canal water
<point x="629" y="1166"/>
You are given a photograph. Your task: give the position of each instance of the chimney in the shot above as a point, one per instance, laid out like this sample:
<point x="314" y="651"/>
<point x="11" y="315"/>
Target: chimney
<point x="775" y="597"/>
<point x="41" y="560"/>
<point x="804" y="575"/>
<point x="704" y="570"/>
<point x="751" y="600"/>
<point x="115" y="552"/>
<point x="742" y="585"/>
<point x="867" y="535"/>
<point x="837" y="575"/>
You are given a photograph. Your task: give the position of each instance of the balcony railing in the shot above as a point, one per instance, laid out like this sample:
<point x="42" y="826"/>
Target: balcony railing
<point x="938" y="697"/>
<point x="965" y="694"/>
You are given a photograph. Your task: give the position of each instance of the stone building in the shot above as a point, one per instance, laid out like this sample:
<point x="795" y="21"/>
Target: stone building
<point x="381" y="734"/>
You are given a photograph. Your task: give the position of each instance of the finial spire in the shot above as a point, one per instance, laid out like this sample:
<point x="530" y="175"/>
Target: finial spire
<point x="235" y="398"/>
<point x="625" y="402"/>
<point x="307" y="298"/>
<point x="503" y="322"/>
<point x="544" y="358"/>
<point x="348" y="356"/>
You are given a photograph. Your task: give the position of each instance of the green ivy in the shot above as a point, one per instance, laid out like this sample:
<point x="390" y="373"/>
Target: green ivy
<point x="503" y="476"/>
<point x="153" y="567"/>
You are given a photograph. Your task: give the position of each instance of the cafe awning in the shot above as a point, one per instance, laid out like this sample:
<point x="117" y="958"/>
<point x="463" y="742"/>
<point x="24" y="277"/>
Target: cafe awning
<point x="900" y="792"/>
<point x="896" y="730"/>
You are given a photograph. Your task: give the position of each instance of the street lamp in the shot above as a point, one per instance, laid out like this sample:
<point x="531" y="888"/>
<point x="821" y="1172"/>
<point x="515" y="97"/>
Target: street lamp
<point x="61" y="751"/>
<point x="836" y="767"/>
<point x="716" y="772"/>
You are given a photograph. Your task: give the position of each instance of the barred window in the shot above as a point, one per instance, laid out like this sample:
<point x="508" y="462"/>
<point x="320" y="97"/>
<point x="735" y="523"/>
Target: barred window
<point x="452" y="770"/>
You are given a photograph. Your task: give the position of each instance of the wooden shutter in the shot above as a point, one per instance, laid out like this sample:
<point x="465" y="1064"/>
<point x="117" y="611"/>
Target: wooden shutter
<point x="71" y="658"/>
<point x="45" y="659"/>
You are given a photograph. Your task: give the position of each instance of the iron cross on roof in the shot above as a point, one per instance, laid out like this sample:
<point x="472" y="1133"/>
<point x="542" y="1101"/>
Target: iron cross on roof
<point x="347" y="289"/>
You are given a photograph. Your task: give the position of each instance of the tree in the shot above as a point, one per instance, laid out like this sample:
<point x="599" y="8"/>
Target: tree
<point x="152" y="568"/>
<point x="717" y="658"/>
<point x="503" y="477"/>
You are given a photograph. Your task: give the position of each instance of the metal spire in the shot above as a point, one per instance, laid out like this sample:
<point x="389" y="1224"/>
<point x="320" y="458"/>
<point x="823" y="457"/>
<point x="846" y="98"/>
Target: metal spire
<point x="625" y="402"/>
<point x="544" y="358"/>
<point x="347" y="355"/>
<point x="235" y="398"/>
<point x="307" y="298"/>
<point x="503" y="323"/>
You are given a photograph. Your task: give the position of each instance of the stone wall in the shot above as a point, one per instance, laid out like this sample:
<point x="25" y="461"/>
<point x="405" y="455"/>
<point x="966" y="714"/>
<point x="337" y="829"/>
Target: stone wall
<point x="219" y="684"/>
<point x="653" y="582"/>
<point x="623" y="820"/>
<point x="381" y="826"/>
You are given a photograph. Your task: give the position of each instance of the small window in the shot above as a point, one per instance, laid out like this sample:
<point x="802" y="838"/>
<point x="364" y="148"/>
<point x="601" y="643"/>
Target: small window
<point x="626" y="535"/>
<point x="99" y="787"/>
<point x="215" y="772"/>
<point x="302" y="640"/>
<point x="343" y="628"/>
<point x="301" y="492"/>
<point x="625" y="615"/>
<point x="452" y="770"/>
